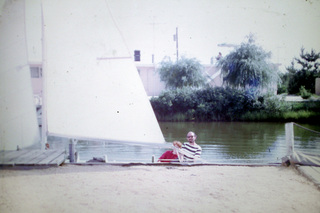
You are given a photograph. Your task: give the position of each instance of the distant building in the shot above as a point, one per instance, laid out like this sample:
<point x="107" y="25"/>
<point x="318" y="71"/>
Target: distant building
<point x="150" y="79"/>
<point x="154" y="86"/>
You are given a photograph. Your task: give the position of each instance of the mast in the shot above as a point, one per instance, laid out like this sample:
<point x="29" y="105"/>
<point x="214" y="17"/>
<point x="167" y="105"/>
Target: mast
<point x="44" y="127"/>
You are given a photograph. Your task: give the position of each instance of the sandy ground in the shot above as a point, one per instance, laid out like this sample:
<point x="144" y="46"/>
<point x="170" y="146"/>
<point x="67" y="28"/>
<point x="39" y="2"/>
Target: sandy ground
<point x="73" y="188"/>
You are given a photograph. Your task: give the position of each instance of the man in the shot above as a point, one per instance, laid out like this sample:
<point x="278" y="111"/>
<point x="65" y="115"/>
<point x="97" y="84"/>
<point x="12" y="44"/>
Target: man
<point x="190" y="150"/>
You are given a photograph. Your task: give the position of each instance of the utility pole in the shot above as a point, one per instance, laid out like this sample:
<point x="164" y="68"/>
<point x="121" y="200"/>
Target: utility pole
<point x="175" y="38"/>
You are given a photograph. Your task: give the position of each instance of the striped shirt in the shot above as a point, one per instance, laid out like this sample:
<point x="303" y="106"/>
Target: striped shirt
<point x="191" y="152"/>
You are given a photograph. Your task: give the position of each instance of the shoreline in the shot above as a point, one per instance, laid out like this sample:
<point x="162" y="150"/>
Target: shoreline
<point x="165" y="188"/>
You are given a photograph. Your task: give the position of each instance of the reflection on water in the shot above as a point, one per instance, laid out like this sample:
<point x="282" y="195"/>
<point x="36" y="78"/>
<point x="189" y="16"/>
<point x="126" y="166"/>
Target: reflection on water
<point x="222" y="143"/>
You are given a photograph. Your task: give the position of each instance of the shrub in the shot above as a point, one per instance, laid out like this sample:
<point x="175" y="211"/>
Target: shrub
<point x="209" y="104"/>
<point x="226" y="104"/>
<point x="304" y="93"/>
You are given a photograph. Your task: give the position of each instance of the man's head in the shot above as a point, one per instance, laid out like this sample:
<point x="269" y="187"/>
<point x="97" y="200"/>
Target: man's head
<point x="191" y="137"/>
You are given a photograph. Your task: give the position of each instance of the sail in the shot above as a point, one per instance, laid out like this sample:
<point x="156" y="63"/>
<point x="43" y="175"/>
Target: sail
<point x="93" y="90"/>
<point x="18" y="121"/>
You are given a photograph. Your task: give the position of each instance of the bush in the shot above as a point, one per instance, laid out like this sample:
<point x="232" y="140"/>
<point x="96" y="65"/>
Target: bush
<point x="274" y="104"/>
<point x="209" y="104"/>
<point x="226" y="104"/>
<point x="171" y="103"/>
<point x="304" y="93"/>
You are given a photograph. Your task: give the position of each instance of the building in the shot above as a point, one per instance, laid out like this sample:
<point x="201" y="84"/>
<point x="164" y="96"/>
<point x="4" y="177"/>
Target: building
<point x="154" y="86"/>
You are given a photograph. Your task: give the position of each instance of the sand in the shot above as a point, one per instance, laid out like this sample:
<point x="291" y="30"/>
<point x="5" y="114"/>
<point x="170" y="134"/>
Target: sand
<point x="74" y="188"/>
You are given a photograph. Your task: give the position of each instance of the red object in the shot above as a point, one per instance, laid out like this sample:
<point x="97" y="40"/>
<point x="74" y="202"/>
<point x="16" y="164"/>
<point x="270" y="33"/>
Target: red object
<point x="168" y="156"/>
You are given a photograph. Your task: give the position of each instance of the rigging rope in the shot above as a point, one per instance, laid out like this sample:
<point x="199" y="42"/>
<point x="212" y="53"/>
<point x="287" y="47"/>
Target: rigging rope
<point x="307" y="129"/>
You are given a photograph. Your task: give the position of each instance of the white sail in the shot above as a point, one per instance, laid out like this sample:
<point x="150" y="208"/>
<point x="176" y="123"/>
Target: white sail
<point x="93" y="90"/>
<point x="18" y="123"/>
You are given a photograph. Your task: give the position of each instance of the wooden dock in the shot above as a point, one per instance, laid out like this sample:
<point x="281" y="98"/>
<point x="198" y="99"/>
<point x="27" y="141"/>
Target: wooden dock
<point x="32" y="158"/>
<point x="310" y="172"/>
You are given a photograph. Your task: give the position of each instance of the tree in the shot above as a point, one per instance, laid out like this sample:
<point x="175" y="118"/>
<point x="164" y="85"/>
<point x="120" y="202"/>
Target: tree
<point x="306" y="73"/>
<point x="283" y="84"/>
<point x="248" y="67"/>
<point x="183" y="73"/>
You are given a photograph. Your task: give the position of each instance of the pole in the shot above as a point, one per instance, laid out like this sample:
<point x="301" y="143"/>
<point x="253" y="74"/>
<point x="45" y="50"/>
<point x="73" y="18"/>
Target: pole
<point x="289" y="138"/>
<point x="177" y="43"/>
<point x="72" y="150"/>
<point x="44" y="127"/>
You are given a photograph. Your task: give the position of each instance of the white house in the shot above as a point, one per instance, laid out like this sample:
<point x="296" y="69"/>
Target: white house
<point x="154" y="86"/>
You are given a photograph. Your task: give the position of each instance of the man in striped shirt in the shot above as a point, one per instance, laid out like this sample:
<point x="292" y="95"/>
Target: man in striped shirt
<point x="190" y="150"/>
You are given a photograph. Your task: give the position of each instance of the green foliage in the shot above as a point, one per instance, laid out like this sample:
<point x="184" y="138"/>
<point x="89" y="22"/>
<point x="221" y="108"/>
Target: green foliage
<point x="304" y="93"/>
<point x="173" y="102"/>
<point x="222" y="104"/>
<point x="183" y="73"/>
<point x="305" y="74"/>
<point x="228" y="104"/>
<point x="208" y="104"/>
<point x="283" y="83"/>
<point x="301" y="116"/>
<point x="248" y="66"/>
<point x="306" y="105"/>
<point x="274" y="104"/>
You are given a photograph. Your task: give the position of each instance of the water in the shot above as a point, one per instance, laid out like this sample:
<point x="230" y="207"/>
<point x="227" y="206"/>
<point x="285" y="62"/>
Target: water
<point x="221" y="142"/>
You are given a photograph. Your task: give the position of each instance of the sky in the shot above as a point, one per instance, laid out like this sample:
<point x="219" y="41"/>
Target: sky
<point x="282" y="27"/>
<point x="279" y="26"/>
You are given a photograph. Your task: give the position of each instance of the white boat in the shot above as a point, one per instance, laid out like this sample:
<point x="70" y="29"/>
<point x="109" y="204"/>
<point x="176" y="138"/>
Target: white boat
<point x="91" y="88"/>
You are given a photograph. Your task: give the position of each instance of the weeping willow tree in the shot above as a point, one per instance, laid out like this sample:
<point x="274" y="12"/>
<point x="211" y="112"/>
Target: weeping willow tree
<point x="248" y="66"/>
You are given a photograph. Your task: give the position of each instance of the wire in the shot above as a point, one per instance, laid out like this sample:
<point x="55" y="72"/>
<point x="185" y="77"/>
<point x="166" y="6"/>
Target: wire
<point x="115" y="23"/>
<point x="307" y="128"/>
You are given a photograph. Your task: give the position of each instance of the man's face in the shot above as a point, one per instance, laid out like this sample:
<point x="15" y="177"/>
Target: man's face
<point x="191" y="137"/>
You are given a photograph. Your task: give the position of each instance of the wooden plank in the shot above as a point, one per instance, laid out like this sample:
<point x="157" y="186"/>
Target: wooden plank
<point x="58" y="161"/>
<point x="9" y="156"/>
<point x="27" y="155"/>
<point x="53" y="158"/>
<point x="51" y="155"/>
<point x="33" y="161"/>
<point x="25" y="158"/>
<point x="312" y="173"/>
<point x="4" y="155"/>
<point x="40" y="157"/>
<point x="32" y="158"/>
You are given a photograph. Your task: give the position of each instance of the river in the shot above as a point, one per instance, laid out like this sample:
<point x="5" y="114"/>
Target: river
<point x="222" y="143"/>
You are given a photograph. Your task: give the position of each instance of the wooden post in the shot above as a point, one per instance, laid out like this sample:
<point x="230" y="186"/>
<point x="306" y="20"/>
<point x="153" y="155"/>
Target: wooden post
<point x="317" y="86"/>
<point x="72" y="150"/>
<point x="289" y="138"/>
